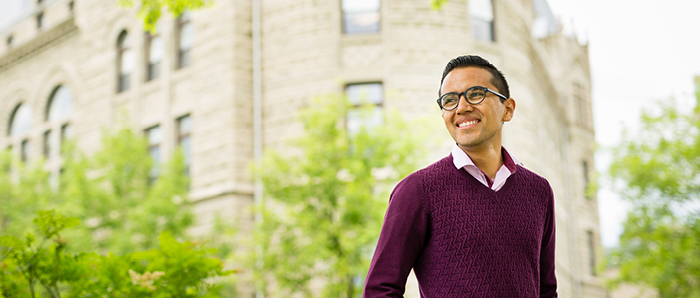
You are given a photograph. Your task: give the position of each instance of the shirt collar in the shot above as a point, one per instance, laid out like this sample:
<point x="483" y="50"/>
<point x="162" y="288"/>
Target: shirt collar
<point x="461" y="159"/>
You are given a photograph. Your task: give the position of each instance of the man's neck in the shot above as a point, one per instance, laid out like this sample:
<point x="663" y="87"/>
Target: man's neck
<point x="489" y="160"/>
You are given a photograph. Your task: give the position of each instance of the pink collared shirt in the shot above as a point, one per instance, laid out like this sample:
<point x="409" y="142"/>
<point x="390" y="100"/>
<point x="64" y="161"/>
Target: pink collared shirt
<point x="462" y="160"/>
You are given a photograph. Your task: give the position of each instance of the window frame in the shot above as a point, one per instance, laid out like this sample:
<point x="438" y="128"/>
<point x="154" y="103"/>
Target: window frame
<point x="180" y="136"/>
<point x="59" y="123"/>
<point x="154" y="173"/>
<point x="25" y="150"/>
<point x="586" y="181"/>
<point x="491" y="24"/>
<point x="153" y="70"/>
<point x="40" y="20"/>
<point x="123" y="80"/>
<point x="47" y="144"/>
<point x="581" y="104"/>
<point x="356" y="106"/>
<point x="66" y="131"/>
<point x="591" y="252"/>
<point x="184" y="56"/>
<point x="345" y="14"/>
<point x="14" y="114"/>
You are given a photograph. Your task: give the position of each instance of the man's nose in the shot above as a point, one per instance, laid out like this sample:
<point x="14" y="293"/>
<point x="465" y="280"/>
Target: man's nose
<point x="464" y="106"/>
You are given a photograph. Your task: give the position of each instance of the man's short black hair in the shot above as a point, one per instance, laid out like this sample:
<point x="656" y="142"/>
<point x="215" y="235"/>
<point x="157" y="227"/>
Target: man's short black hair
<point x="497" y="78"/>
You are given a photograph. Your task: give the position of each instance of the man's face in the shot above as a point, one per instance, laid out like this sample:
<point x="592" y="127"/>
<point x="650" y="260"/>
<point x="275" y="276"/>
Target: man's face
<point x="475" y="127"/>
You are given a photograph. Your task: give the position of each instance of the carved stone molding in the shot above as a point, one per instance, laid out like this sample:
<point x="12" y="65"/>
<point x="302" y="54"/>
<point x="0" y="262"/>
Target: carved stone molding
<point x="59" y="32"/>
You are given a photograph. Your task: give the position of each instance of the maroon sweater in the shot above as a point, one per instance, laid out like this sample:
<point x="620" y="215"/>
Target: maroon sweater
<point x="463" y="239"/>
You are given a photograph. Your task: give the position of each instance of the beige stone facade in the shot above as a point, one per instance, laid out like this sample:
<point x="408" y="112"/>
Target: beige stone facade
<point x="304" y="53"/>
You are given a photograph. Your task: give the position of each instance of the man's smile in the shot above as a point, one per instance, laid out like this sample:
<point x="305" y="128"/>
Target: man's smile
<point x="467" y="123"/>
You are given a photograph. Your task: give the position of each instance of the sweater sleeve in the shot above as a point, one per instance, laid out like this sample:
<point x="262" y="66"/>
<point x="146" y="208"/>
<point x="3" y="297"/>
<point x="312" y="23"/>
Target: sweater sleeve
<point x="548" y="281"/>
<point x="400" y="241"/>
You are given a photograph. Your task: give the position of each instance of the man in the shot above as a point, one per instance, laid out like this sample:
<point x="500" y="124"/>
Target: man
<point x="476" y="223"/>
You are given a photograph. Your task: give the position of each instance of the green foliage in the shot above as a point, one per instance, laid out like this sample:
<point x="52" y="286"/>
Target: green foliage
<point x="658" y="168"/>
<point x="175" y="269"/>
<point x="24" y="189"/>
<point x="113" y="193"/>
<point x="437" y="4"/>
<point x="108" y="191"/>
<point x="150" y="10"/>
<point x="28" y="263"/>
<point x="126" y="215"/>
<point x="328" y="198"/>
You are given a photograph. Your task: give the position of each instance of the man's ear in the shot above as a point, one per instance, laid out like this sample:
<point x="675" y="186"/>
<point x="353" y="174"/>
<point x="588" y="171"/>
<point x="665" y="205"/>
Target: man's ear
<point x="509" y="105"/>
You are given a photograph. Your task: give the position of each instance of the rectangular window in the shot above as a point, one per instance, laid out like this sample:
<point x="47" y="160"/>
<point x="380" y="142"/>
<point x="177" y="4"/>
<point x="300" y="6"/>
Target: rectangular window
<point x="184" y="132"/>
<point x="40" y="20"/>
<point x="47" y="144"/>
<point x="24" y="153"/>
<point x="66" y="134"/>
<point x="123" y="82"/>
<point x="591" y="252"/>
<point x="71" y="5"/>
<point x="481" y="13"/>
<point x="125" y="61"/>
<point x="155" y="137"/>
<point x="584" y="166"/>
<point x="185" y="38"/>
<point x="360" y="16"/>
<point x="580" y="99"/>
<point x="361" y="95"/>
<point x="9" y="41"/>
<point x="154" y="54"/>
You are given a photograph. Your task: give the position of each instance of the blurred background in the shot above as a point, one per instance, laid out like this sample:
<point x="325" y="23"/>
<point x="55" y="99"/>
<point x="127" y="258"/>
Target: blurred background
<point x="224" y="82"/>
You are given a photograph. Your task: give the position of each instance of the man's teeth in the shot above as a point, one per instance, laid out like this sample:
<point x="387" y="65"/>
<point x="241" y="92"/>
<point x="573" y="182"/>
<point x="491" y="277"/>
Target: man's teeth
<point x="463" y="124"/>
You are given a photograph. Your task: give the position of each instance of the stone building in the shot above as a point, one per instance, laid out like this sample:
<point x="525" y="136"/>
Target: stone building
<point x="224" y="82"/>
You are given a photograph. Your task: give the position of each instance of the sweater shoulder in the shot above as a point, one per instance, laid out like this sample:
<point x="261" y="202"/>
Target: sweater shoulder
<point x="436" y="170"/>
<point x="533" y="178"/>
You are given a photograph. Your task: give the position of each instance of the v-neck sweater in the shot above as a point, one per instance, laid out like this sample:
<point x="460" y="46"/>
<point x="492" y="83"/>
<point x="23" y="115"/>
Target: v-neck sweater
<point x="463" y="239"/>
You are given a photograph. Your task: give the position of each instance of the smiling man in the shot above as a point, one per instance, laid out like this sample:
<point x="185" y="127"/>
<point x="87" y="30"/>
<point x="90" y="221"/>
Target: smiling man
<point x="475" y="223"/>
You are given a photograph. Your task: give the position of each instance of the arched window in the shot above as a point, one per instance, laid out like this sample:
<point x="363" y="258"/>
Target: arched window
<point x="20" y="124"/>
<point x="481" y="12"/>
<point x="59" y="108"/>
<point x="125" y="61"/>
<point x="185" y="39"/>
<point x="21" y="120"/>
<point x="154" y="54"/>
<point x="60" y="104"/>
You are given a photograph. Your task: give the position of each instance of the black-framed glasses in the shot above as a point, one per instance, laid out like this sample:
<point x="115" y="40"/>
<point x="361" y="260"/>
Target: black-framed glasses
<point x="474" y="95"/>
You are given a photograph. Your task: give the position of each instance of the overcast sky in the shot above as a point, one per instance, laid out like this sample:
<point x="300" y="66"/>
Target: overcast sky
<point x="641" y="51"/>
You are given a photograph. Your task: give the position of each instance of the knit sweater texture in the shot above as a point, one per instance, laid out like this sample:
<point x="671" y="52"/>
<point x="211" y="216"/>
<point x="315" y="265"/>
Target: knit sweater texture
<point x="463" y="239"/>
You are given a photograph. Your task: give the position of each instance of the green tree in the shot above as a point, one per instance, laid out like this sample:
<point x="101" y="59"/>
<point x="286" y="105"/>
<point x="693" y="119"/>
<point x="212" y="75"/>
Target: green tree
<point x="108" y="191"/>
<point x="437" y="4"/>
<point x="328" y="193"/>
<point x="45" y="268"/>
<point x="150" y="10"/>
<point x="658" y="170"/>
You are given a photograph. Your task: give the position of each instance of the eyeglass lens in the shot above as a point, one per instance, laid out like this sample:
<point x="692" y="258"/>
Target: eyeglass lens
<point x="473" y="95"/>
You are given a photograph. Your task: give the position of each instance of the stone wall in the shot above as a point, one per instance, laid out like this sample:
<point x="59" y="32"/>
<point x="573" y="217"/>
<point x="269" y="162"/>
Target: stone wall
<point x="305" y="54"/>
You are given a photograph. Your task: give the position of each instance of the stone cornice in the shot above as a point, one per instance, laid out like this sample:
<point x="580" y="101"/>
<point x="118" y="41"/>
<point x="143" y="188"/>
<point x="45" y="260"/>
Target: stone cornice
<point x="24" y="51"/>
